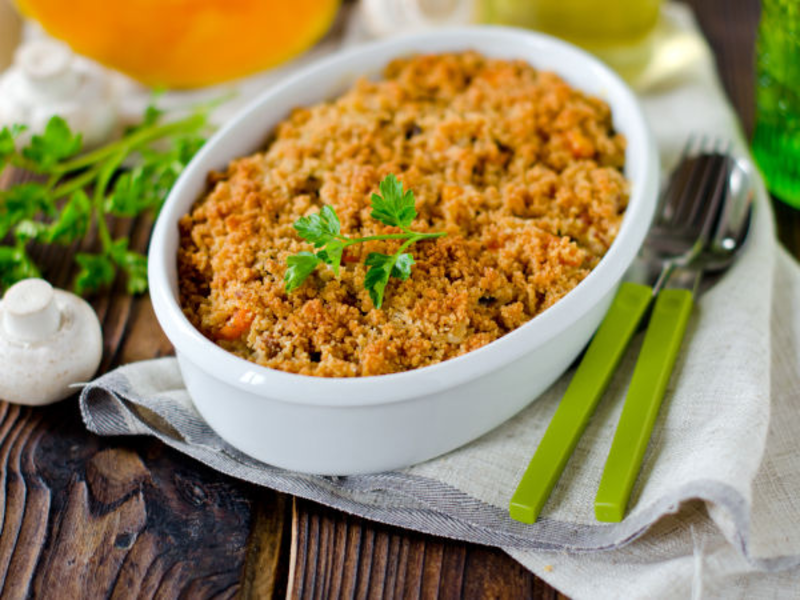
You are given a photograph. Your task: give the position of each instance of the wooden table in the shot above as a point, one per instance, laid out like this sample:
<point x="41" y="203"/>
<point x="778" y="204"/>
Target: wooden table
<point x="85" y="516"/>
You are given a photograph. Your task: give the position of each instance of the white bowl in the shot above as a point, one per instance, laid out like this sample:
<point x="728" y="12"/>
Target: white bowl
<point x="368" y="424"/>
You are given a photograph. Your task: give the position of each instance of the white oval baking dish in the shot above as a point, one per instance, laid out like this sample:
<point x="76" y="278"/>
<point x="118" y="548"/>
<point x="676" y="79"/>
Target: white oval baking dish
<point x="360" y="425"/>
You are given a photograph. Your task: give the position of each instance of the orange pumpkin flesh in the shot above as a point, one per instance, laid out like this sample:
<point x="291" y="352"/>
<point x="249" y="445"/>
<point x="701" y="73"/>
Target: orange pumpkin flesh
<point x="185" y="43"/>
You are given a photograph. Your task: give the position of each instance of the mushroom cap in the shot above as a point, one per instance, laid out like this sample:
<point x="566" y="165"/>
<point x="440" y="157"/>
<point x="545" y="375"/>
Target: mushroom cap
<point x="48" y="79"/>
<point x="41" y="371"/>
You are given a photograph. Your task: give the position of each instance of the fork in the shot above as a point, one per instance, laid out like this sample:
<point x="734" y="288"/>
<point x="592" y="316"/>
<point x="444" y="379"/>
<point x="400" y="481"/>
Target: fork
<point x="680" y="230"/>
<point x="722" y="240"/>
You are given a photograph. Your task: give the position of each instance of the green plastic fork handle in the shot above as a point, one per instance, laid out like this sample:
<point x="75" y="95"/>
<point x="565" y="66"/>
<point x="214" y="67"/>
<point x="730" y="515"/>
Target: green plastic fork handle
<point x="576" y="407"/>
<point x="650" y="377"/>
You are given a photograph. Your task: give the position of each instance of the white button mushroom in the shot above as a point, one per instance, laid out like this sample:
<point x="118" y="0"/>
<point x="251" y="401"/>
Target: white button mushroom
<point x="49" y="339"/>
<point x="390" y="17"/>
<point x="47" y="79"/>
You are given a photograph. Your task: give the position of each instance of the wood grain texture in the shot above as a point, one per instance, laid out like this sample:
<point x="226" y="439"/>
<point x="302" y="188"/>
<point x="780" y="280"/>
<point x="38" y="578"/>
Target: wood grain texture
<point x="89" y="517"/>
<point x="265" y="572"/>
<point x="340" y="556"/>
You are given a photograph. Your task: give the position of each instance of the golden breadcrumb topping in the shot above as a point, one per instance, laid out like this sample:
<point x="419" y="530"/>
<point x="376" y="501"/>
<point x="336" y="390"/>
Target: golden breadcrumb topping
<point x="522" y="171"/>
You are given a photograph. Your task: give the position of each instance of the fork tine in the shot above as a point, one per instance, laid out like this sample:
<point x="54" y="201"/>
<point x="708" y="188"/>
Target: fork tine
<point x="696" y="181"/>
<point x="717" y="166"/>
<point x="691" y="205"/>
<point x="709" y="223"/>
<point x="668" y="198"/>
<point x="708" y="189"/>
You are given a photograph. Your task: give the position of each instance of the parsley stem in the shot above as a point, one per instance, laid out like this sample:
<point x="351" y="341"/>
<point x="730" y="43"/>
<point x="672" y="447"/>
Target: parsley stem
<point x="121" y="147"/>
<point x="107" y="171"/>
<point x="26" y="164"/>
<point x="76" y="183"/>
<point x="405" y="245"/>
<point x="415" y="236"/>
<point x="131" y="142"/>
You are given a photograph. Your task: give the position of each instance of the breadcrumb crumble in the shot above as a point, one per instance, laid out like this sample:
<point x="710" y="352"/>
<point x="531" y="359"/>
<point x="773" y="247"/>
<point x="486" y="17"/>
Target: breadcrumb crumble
<point x="522" y="171"/>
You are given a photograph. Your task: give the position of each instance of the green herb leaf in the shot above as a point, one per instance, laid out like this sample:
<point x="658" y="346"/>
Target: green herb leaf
<point x="402" y="266"/>
<point x="73" y="221"/>
<point x="394" y="207"/>
<point x="146" y="186"/>
<point x="380" y="269"/>
<point x="22" y="202"/>
<point x="183" y="150"/>
<point x="8" y="135"/>
<point x="130" y="195"/>
<point x="152" y="115"/>
<point x="97" y="271"/>
<point x="332" y="255"/>
<point x="29" y="230"/>
<point x="132" y="263"/>
<point x="299" y="267"/>
<point x="160" y="151"/>
<point x="319" y="228"/>
<point x="15" y="265"/>
<point x="56" y="143"/>
<point x="7" y="146"/>
<point x="136" y="269"/>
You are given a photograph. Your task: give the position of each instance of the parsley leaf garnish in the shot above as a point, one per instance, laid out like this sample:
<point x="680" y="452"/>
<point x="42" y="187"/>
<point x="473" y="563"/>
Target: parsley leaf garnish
<point x="402" y="266"/>
<point x="21" y="203"/>
<point x="393" y="207"/>
<point x="133" y="263"/>
<point x="332" y="255"/>
<point x="381" y="268"/>
<point x="320" y="228"/>
<point x="299" y="266"/>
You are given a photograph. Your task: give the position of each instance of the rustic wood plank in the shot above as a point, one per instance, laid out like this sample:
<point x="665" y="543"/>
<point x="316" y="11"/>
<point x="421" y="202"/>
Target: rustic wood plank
<point x="145" y="338"/>
<point x="114" y="473"/>
<point x="341" y="556"/>
<point x="88" y="543"/>
<point x="85" y="516"/>
<point x="266" y="566"/>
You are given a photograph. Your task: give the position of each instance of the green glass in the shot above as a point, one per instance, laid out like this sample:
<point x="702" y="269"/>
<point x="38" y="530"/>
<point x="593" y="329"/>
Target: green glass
<point x="776" y="141"/>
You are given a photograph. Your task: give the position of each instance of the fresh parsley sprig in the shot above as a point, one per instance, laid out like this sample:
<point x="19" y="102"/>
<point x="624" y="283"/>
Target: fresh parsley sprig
<point x="392" y="207"/>
<point x="124" y="178"/>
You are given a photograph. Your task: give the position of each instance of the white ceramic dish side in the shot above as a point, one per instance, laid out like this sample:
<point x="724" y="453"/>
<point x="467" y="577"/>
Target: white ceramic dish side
<point x="360" y="425"/>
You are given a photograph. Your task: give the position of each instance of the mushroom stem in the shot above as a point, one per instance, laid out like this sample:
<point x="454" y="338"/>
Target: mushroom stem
<point x="30" y="312"/>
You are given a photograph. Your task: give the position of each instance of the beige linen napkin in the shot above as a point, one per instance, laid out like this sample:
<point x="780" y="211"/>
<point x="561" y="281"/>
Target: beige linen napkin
<point x="717" y="508"/>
